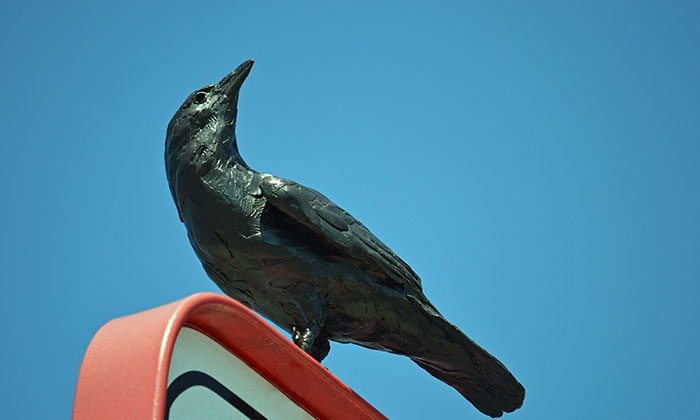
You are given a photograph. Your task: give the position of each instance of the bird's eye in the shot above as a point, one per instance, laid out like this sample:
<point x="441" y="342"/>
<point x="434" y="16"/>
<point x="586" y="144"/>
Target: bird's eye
<point x="200" y="97"/>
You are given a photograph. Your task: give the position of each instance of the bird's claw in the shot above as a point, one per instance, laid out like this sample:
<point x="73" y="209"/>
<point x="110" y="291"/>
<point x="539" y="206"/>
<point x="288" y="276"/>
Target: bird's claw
<point x="303" y="338"/>
<point x="316" y="347"/>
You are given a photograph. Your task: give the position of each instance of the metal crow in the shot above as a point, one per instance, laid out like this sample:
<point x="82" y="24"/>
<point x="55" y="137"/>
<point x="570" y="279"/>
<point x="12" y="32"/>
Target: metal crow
<point x="292" y="255"/>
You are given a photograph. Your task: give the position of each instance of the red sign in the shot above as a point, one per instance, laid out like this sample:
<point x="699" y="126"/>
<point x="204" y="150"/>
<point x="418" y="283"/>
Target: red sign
<point x="206" y="356"/>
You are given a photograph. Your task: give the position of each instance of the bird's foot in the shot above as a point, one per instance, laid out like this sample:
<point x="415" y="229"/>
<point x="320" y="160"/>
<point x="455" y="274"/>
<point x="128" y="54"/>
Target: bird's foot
<point x="297" y="337"/>
<point x="316" y="347"/>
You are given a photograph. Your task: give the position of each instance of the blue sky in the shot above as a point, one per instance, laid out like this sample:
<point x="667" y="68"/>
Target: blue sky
<point x="537" y="163"/>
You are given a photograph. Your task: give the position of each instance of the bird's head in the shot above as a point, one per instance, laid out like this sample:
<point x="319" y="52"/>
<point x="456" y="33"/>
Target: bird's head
<point x="205" y="122"/>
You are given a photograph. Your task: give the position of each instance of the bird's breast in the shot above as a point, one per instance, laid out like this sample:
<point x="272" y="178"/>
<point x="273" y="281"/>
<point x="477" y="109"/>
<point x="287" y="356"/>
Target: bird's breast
<point x="217" y="204"/>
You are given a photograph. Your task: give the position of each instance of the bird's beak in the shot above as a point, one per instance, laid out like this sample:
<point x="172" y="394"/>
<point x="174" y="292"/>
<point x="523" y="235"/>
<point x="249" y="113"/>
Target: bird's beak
<point x="230" y="84"/>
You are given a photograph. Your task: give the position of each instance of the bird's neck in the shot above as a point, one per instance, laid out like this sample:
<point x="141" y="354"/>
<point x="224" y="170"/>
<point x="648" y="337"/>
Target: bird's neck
<point x="233" y="156"/>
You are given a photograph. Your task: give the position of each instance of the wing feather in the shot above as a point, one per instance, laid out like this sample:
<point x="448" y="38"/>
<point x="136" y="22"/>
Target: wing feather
<point x="336" y="227"/>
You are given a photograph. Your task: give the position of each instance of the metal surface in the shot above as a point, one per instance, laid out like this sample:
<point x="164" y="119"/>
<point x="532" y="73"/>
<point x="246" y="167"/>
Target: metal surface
<point x="289" y="253"/>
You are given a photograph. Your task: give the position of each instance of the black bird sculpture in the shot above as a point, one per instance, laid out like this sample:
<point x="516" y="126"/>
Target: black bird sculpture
<point x="292" y="255"/>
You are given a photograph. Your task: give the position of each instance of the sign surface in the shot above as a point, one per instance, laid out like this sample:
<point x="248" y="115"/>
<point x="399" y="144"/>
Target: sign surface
<point x="207" y="382"/>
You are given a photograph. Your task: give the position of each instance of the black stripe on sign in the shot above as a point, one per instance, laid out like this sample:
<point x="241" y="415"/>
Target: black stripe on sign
<point x="195" y="378"/>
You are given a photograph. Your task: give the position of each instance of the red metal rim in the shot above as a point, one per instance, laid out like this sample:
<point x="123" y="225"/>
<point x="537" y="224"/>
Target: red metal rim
<point x="125" y="369"/>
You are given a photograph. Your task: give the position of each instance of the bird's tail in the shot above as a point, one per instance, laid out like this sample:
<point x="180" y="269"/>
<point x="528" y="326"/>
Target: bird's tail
<point x="472" y="371"/>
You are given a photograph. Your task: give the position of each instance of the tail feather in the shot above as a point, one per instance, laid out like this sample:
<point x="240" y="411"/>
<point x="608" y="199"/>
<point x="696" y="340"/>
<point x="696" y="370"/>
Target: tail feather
<point x="473" y="372"/>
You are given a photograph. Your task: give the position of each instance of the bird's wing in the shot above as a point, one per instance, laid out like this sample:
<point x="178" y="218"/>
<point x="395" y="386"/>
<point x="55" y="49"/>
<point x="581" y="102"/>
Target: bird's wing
<point x="338" y="229"/>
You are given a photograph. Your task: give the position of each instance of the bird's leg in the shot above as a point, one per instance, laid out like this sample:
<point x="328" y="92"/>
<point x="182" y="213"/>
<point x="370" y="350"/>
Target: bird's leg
<point x="320" y="349"/>
<point x="309" y="333"/>
<point x="311" y="340"/>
